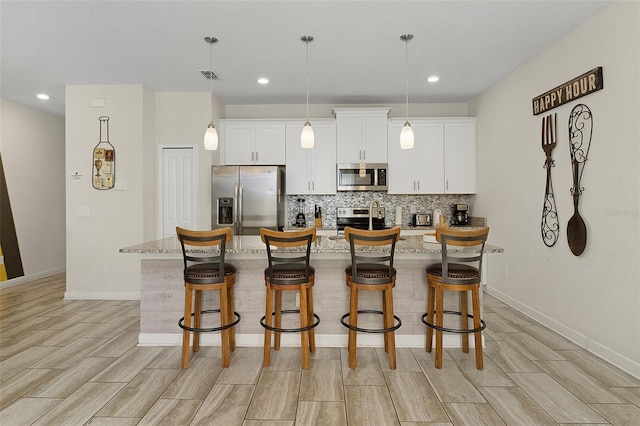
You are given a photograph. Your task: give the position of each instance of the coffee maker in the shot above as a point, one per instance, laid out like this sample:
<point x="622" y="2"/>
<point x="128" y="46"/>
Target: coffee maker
<point x="460" y="214"/>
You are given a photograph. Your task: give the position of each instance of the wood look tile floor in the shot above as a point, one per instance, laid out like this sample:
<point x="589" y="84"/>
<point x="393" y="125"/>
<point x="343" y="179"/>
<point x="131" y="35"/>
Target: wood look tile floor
<point x="77" y="363"/>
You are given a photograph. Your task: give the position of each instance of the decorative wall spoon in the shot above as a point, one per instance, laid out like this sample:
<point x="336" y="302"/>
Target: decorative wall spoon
<point x="580" y="131"/>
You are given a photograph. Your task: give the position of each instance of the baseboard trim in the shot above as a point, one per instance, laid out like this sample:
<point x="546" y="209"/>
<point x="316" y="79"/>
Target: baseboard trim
<point x="31" y="277"/>
<point x="293" y="340"/>
<point x="102" y="295"/>
<point x="596" y="348"/>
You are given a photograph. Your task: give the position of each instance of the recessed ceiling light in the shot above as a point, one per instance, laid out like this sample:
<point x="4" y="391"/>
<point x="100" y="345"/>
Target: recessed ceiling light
<point x="263" y="80"/>
<point x="433" y="79"/>
<point x="43" y="96"/>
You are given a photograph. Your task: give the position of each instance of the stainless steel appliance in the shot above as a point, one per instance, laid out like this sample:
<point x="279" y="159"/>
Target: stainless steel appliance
<point x="460" y="214"/>
<point x="359" y="218"/>
<point x="301" y="218"/>
<point x="421" y="219"/>
<point x="247" y="198"/>
<point x="362" y="177"/>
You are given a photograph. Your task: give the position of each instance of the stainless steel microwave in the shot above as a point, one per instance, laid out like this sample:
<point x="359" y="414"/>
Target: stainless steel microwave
<point x="362" y="177"/>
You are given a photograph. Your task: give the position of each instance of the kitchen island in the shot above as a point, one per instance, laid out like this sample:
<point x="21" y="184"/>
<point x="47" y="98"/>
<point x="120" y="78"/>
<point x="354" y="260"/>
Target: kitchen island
<point x="162" y="291"/>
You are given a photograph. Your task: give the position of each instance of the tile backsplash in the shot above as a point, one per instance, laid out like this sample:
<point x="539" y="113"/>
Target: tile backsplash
<point x="329" y="203"/>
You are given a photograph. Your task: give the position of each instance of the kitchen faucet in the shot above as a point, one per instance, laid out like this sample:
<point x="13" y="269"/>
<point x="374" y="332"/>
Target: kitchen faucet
<point x="374" y="201"/>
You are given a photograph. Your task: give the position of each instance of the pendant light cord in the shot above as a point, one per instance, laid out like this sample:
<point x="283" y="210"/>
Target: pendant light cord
<point x="211" y="77"/>
<point x="406" y="77"/>
<point x="307" y="43"/>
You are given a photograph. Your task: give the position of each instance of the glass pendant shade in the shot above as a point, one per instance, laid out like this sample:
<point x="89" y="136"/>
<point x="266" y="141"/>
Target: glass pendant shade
<point x="307" y="138"/>
<point x="406" y="136"/>
<point x="211" y="138"/>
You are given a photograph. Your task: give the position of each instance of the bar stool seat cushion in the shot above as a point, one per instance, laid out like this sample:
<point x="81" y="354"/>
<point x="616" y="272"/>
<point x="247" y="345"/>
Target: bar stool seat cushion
<point x="370" y="271"/>
<point x="289" y="271"/>
<point x="456" y="270"/>
<point x="207" y="270"/>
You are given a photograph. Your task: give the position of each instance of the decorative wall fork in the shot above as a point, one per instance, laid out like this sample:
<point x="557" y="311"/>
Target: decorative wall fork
<point x="550" y="226"/>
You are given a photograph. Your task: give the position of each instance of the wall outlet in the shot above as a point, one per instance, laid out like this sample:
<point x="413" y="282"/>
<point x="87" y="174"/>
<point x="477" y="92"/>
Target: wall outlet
<point x="103" y="267"/>
<point x="297" y="300"/>
<point x="506" y="270"/>
<point x="413" y="208"/>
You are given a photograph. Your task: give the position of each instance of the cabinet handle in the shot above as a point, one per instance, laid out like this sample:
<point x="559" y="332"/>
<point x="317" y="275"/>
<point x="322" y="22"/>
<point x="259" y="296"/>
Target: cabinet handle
<point x="446" y="184"/>
<point x="313" y="185"/>
<point x="418" y="185"/>
<point x="256" y="155"/>
<point x="252" y="155"/>
<point x="364" y="154"/>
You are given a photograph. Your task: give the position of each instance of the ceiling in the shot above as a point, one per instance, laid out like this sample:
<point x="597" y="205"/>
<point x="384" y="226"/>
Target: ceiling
<point x="357" y="56"/>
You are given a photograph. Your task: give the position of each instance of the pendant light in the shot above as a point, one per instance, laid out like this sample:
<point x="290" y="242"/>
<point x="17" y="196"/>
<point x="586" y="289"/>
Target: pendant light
<point x="307" y="137"/>
<point x="211" y="135"/>
<point x="406" y="135"/>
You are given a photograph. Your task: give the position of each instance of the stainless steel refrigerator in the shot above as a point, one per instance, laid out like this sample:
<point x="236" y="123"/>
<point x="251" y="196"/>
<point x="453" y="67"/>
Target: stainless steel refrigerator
<point x="247" y="198"/>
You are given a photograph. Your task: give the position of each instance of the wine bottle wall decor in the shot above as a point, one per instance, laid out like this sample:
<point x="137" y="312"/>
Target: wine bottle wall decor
<point x="104" y="159"/>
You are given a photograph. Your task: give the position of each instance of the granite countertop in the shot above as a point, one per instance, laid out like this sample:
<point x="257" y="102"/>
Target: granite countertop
<point x="323" y="244"/>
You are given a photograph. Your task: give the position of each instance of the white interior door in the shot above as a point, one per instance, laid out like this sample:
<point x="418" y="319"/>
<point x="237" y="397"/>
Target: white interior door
<point x="178" y="201"/>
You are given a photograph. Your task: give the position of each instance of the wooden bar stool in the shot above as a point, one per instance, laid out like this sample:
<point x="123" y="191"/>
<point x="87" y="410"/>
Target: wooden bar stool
<point x="372" y="269"/>
<point x="459" y="271"/>
<point x="205" y="269"/>
<point x="289" y="270"/>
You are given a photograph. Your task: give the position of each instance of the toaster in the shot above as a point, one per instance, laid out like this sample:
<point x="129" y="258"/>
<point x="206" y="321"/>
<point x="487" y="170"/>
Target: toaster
<point x="421" y="219"/>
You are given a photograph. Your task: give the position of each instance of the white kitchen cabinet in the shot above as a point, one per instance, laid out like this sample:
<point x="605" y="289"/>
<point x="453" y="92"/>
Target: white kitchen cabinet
<point x="460" y="167"/>
<point x="419" y="170"/>
<point x="311" y="171"/>
<point x="442" y="161"/>
<point x="361" y="135"/>
<point x="252" y="142"/>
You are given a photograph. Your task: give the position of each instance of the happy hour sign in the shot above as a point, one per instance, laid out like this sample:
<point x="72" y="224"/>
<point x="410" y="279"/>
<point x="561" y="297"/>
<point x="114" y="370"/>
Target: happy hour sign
<point x="587" y="83"/>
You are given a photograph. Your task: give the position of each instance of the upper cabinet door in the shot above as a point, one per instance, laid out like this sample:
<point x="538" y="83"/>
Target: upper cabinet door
<point x="374" y="137"/>
<point x="460" y="158"/>
<point x="361" y="135"/>
<point x="311" y="171"/>
<point x="270" y="144"/>
<point x="429" y="155"/>
<point x="349" y="137"/>
<point x="236" y="143"/>
<point x="401" y="171"/>
<point x="324" y="158"/>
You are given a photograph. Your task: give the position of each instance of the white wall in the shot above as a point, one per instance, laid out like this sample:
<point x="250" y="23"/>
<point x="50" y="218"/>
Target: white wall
<point x="32" y="146"/>
<point x="95" y="269"/>
<point x="182" y="118"/>
<point x="324" y="110"/>
<point x="593" y="299"/>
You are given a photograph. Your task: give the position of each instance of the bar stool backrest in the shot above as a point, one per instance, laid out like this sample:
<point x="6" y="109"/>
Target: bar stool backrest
<point x="199" y="250"/>
<point x="473" y="241"/>
<point x="383" y="240"/>
<point x="288" y="260"/>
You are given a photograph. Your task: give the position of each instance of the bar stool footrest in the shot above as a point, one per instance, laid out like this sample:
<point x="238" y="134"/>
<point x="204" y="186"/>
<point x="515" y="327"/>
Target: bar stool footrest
<point x="290" y="330"/>
<point x="206" y="330"/>
<point x="371" y="330"/>
<point x="454" y="330"/>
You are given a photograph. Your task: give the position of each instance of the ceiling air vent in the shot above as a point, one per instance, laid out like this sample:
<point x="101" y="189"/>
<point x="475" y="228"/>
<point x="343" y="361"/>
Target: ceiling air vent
<point x="209" y="74"/>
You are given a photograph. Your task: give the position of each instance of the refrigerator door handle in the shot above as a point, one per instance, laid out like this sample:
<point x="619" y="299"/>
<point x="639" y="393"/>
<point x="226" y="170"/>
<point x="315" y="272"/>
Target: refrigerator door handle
<point x="236" y="206"/>
<point x="240" y="213"/>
